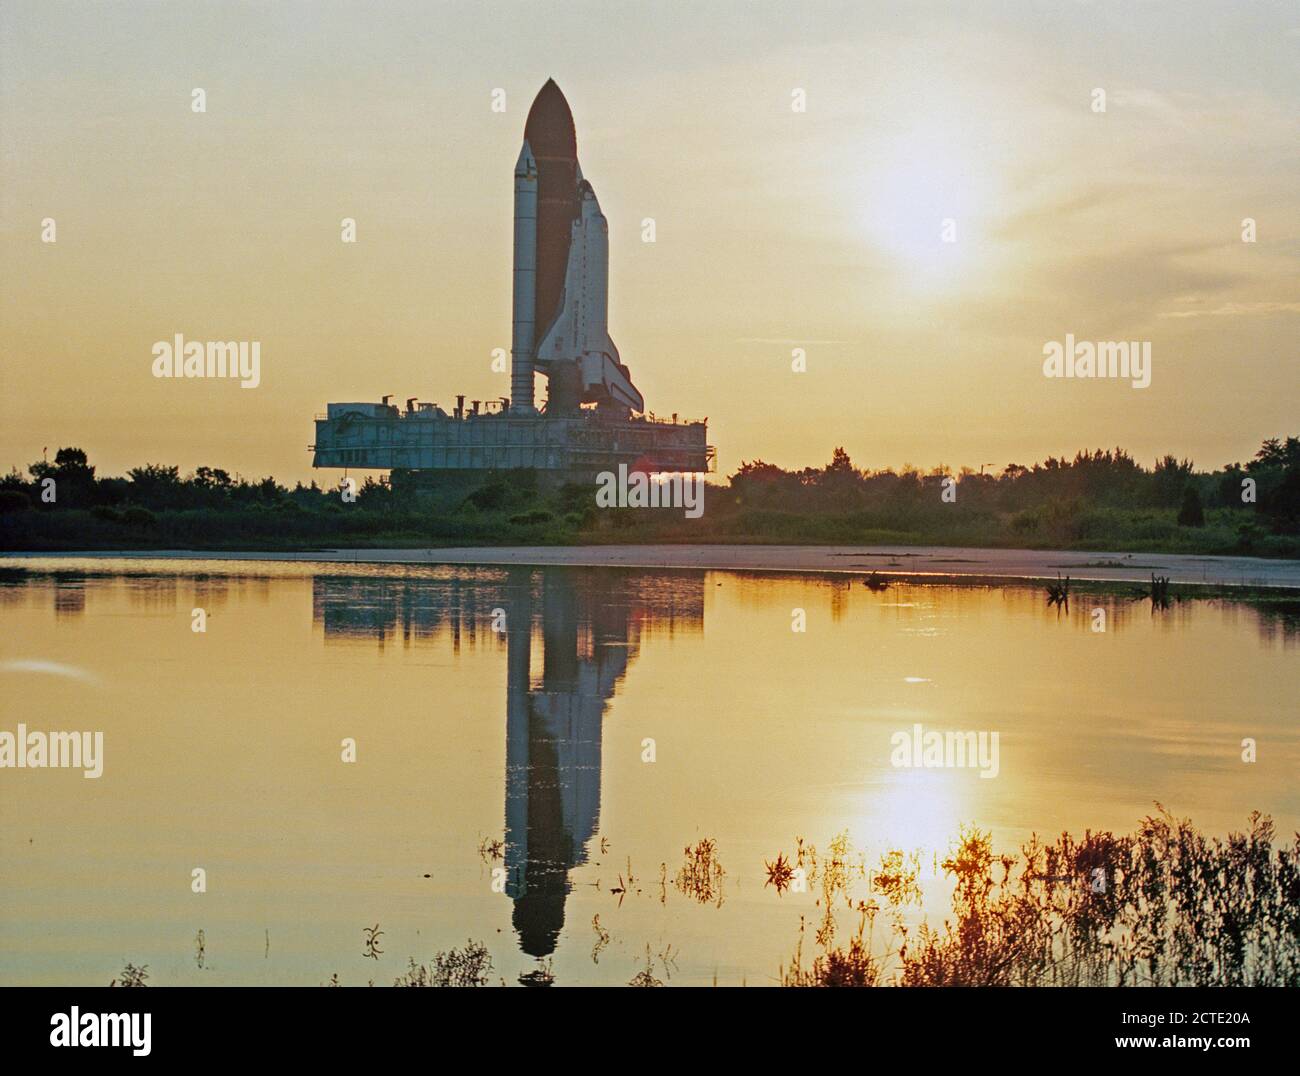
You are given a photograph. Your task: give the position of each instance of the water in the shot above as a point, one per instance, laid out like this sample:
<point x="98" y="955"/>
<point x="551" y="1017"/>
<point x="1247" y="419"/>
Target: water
<point x="501" y="791"/>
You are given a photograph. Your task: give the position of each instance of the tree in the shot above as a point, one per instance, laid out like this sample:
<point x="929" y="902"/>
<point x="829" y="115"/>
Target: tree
<point x="840" y="464"/>
<point x="72" y="462"/>
<point x="73" y="476"/>
<point x="1169" y="479"/>
<point x="1191" y="514"/>
<point x="758" y="470"/>
<point x="1282" y="505"/>
<point x="1269" y="455"/>
<point x="212" y="478"/>
<point x="269" y="491"/>
<point x="1275" y="453"/>
<point x="155" y="485"/>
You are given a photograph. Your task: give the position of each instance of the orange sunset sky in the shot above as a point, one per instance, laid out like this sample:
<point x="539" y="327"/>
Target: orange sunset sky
<point x="775" y="229"/>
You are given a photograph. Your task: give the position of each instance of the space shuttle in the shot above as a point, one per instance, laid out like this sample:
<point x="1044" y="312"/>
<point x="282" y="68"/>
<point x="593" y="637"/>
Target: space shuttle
<point x="561" y="276"/>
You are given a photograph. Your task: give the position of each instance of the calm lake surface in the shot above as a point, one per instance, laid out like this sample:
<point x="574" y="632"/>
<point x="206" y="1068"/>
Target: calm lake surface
<point x="502" y="720"/>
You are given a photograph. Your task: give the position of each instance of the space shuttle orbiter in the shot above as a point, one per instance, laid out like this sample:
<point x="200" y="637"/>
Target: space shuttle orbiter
<point x="561" y="274"/>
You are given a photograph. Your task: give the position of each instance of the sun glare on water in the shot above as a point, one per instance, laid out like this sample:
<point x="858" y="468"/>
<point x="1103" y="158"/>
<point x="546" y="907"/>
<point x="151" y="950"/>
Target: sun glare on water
<point x="917" y="809"/>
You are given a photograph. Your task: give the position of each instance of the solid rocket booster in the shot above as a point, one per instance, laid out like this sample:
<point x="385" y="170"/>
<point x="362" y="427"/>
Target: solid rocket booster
<point x="561" y="274"/>
<point x="523" y="327"/>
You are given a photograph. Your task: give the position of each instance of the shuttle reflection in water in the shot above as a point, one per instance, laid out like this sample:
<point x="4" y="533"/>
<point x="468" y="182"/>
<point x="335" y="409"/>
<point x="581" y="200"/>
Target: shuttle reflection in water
<point x="590" y="622"/>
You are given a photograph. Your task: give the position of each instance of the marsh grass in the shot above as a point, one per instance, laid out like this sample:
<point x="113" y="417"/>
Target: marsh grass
<point x="779" y="873"/>
<point x="1165" y="906"/>
<point x="130" y="975"/>
<point x="602" y="939"/>
<point x="1159" y="594"/>
<point x="701" y="875"/>
<point x="372" y="936"/>
<point x="1058" y="593"/>
<point x="456" y="967"/>
<point x="646" y="976"/>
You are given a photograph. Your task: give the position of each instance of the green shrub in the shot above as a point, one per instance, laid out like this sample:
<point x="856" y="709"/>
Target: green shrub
<point x="1026" y="522"/>
<point x="135" y="516"/>
<point x="524" y="519"/>
<point x="489" y="498"/>
<point x="1191" y="514"/>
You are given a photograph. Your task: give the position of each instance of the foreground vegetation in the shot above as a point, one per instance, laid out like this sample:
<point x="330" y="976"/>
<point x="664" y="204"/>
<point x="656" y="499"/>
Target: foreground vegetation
<point x="1165" y="906"/>
<point x="1098" y="500"/>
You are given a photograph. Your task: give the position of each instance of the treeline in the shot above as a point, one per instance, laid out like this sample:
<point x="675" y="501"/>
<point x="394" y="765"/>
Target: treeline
<point x="1101" y="500"/>
<point x="70" y="482"/>
<point x="1052" y="496"/>
<point x="1097" y="500"/>
<point x="65" y="505"/>
<point x="153" y="487"/>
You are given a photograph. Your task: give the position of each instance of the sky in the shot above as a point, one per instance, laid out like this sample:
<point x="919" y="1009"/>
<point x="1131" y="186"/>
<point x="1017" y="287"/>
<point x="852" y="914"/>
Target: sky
<point x="775" y="227"/>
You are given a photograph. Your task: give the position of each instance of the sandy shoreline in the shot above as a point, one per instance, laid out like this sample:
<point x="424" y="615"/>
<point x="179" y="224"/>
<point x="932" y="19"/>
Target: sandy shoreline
<point x="899" y="561"/>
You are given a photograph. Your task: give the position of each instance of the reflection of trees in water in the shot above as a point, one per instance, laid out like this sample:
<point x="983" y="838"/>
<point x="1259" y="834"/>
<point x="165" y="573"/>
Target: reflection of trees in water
<point x="1279" y="622"/>
<point x="589" y="623"/>
<point x="413" y="609"/>
<point x="70" y="598"/>
<point x="149" y="592"/>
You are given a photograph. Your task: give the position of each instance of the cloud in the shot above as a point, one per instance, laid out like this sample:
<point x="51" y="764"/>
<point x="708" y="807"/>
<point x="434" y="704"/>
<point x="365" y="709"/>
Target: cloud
<point x="783" y="340"/>
<point x="1038" y="221"/>
<point x="51" y="668"/>
<point x="1235" y="310"/>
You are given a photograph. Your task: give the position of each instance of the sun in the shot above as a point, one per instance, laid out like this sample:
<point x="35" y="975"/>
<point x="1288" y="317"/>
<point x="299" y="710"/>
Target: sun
<point x="925" y="206"/>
